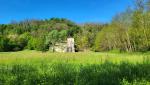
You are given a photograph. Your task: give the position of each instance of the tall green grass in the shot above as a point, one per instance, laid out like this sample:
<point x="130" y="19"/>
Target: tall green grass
<point x="36" y="68"/>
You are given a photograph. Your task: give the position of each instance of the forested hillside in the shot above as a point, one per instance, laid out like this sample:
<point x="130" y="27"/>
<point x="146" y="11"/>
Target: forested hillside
<point x="35" y="34"/>
<point x="128" y="31"/>
<point x="41" y="34"/>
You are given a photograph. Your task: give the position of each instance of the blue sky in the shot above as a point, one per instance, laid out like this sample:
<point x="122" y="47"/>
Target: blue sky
<point x="79" y="11"/>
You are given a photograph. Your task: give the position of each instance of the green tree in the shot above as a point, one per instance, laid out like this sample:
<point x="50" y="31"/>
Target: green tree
<point x="31" y="43"/>
<point x="40" y="44"/>
<point x="63" y="35"/>
<point x="52" y="38"/>
<point x="4" y="44"/>
<point x="81" y="42"/>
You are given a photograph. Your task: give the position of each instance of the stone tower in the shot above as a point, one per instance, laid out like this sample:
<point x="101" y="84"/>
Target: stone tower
<point x="70" y="45"/>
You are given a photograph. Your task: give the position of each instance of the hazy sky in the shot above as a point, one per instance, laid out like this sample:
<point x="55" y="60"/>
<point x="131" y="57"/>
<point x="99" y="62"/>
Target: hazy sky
<point x="77" y="10"/>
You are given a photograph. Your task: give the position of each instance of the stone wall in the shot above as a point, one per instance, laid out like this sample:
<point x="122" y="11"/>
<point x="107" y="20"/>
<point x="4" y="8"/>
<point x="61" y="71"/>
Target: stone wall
<point x="70" y="45"/>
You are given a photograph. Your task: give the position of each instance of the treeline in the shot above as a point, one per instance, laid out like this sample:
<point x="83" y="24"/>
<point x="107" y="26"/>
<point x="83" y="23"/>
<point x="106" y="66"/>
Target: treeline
<point x="44" y="34"/>
<point x="127" y="32"/>
<point x="35" y="34"/>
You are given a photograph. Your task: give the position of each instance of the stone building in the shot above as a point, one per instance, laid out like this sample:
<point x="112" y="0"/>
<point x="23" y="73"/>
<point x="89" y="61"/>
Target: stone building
<point x="70" y="45"/>
<point x="67" y="46"/>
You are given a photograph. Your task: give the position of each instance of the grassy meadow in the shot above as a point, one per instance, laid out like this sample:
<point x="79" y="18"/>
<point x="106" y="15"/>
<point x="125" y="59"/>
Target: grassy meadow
<point x="37" y="68"/>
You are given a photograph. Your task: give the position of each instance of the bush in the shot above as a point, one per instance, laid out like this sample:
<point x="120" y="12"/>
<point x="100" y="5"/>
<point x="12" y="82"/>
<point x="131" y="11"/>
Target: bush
<point x="4" y="44"/>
